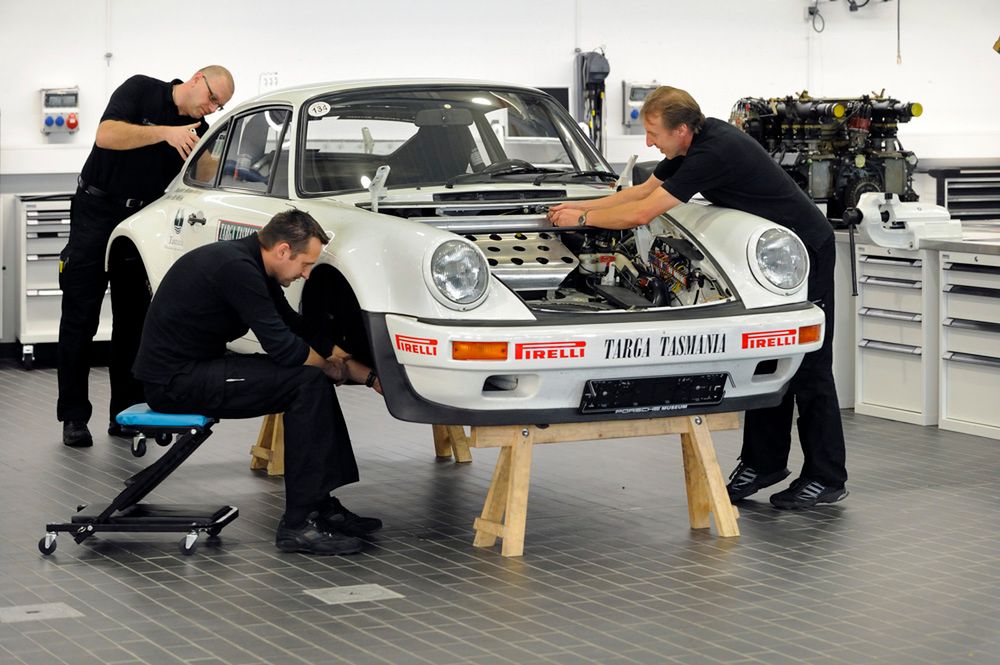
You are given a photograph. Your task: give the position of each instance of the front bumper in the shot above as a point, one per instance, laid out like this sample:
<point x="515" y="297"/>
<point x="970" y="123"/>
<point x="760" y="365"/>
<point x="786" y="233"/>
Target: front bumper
<point x="547" y="366"/>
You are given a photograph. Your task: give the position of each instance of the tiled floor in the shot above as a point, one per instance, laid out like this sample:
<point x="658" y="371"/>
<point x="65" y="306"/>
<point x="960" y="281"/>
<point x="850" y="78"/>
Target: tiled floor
<point x="907" y="570"/>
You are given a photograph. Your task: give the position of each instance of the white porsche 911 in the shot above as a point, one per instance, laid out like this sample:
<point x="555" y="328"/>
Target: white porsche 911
<point x="443" y="271"/>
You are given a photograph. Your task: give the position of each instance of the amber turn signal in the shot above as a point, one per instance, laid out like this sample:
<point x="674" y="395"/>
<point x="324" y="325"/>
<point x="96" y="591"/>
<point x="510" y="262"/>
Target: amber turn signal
<point x="810" y="334"/>
<point x="479" y="350"/>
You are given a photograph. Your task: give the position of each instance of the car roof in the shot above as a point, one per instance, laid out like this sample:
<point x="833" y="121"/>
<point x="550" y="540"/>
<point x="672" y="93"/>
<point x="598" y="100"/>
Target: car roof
<point x="295" y="95"/>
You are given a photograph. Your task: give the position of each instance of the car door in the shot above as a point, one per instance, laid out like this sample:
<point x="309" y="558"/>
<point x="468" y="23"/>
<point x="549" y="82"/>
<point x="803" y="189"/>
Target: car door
<point x="238" y="173"/>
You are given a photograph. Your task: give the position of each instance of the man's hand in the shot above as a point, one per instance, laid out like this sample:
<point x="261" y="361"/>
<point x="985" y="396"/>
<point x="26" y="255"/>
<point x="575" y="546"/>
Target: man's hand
<point x="183" y="138"/>
<point x="564" y="216"/>
<point x="335" y="369"/>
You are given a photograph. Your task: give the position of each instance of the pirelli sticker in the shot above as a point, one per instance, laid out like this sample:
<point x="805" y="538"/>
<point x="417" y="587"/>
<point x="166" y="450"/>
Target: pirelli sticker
<point x="235" y="230"/>
<point x="549" y="350"/>
<point x="770" y="339"/>
<point x="665" y="346"/>
<point x="422" y="346"/>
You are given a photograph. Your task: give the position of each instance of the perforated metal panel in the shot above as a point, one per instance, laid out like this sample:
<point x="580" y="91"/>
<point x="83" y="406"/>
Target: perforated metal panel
<point x="526" y="261"/>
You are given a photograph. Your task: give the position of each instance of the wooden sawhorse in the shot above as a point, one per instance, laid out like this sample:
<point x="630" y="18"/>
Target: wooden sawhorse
<point x="269" y="451"/>
<point x="506" y="506"/>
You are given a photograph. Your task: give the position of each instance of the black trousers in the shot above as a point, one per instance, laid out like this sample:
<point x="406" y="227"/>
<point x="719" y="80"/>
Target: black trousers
<point x="318" y="453"/>
<point x="83" y="282"/>
<point x="767" y="433"/>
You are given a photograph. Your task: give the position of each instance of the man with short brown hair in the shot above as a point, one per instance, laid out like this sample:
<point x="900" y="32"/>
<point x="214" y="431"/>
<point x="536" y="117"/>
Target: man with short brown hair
<point x="214" y="295"/>
<point x="730" y="169"/>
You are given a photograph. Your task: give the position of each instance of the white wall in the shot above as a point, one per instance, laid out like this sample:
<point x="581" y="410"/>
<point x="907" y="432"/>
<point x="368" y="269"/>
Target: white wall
<point x="719" y="50"/>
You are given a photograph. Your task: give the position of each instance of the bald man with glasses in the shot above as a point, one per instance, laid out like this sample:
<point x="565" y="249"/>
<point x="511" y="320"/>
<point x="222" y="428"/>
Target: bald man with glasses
<point x="147" y="131"/>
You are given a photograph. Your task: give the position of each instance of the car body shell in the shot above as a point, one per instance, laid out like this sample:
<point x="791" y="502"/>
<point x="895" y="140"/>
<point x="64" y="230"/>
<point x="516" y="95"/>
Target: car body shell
<point x="553" y="357"/>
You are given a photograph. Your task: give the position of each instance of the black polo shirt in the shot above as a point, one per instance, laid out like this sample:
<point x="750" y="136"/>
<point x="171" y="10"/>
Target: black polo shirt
<point x="211" y="296"/>
<point x="731" y="169"/>
<point x="141" y="173"/>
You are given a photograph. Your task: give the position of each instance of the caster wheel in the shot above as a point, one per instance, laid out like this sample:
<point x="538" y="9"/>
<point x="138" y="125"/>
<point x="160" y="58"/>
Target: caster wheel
<point x="47" y="545"/>
<point x="139" y="446"/>
<point x="164" y="439"/>
<point x="214" y="532"/>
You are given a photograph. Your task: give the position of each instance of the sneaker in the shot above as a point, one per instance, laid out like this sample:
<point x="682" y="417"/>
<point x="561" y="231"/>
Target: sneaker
<point x="309" y="539"/>
<point x="76" y="434"/>
<point x="115" y="429"/>
<point x="745" y="480"/>
<point x="805" y="493"/>
<point x="337" y="519"/>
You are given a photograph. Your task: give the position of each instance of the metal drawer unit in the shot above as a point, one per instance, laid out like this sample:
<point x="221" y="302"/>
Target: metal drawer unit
<point x="970" y="343"/>
<point x="970" y="193"/>
<point x="42" y="231"/>
<point x="896" y="331"/>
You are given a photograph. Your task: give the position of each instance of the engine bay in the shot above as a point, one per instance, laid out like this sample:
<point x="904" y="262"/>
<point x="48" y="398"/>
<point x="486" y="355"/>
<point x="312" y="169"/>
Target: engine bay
<point x="589" y="269"/>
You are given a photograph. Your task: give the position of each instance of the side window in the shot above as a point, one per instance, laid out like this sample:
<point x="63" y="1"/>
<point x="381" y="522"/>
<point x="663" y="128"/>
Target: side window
<point x="251" y="155"/>
<point x="203" y="169"/>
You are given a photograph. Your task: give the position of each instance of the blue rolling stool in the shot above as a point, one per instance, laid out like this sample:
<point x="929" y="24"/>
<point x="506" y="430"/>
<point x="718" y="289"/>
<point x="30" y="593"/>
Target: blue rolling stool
<point x="125" y="513"/>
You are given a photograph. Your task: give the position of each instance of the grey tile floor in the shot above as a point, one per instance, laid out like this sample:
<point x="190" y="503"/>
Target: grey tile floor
<point x="904" y="571"/>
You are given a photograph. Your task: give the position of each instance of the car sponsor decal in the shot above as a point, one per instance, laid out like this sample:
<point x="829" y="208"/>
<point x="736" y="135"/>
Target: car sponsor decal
<point x="174" y="240"/>
<point x="665" y="346"/>
<point x="423" y="346"/>
<point x="549" y="350"/>
<point x="770" y="338"/>
<point x="235" y="230"/>
<point x="319" y="109"/>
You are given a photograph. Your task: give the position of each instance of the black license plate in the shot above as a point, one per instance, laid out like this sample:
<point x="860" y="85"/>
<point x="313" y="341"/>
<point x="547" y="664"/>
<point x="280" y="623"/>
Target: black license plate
<point x="653" y="394"/>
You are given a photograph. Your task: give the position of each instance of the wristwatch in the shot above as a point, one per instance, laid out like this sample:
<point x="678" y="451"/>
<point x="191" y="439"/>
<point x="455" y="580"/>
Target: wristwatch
<point x="582" y="219"/>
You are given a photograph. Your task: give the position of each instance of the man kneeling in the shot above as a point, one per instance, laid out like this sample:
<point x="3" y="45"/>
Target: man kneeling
<point x="213" y="295"/>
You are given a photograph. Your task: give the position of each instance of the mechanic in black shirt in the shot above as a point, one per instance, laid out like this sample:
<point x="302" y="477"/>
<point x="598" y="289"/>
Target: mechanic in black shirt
<point x="213" y="295"/>
<point x="147" y="131"/>
<point x="730" y="169"/>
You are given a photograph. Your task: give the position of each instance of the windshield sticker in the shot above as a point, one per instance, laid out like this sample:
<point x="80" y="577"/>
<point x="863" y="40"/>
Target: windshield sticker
<point x="319" y="109"/>
<point x="549" y="350"/>
<point x="235" y="230"/>
<point x="667" y="346"/>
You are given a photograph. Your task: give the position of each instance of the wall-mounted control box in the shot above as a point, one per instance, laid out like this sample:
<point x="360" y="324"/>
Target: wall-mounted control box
<point x="60" y="110"/>
<point x="633" y="95"/>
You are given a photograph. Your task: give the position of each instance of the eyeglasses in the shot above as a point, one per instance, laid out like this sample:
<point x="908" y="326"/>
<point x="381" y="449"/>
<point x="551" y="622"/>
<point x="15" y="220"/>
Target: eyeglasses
<point x="211" y="95"/>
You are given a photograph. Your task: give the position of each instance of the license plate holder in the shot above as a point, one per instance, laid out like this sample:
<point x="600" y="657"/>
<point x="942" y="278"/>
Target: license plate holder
<point x="653" y="394"/>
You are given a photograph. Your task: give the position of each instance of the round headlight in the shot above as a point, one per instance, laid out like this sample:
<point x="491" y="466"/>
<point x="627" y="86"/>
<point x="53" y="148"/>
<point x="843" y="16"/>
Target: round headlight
<point x="459" y="274"/>
<point x="782" y="259"/>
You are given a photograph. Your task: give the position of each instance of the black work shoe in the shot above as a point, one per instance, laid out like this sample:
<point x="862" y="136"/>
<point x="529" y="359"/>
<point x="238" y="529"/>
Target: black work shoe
<point x="745" y="480"/>
<point x="335" y="518"/>
<point x="76" y="434"/>
<point x="114" y="429"/>
<point x="310" y="540"/>
<point x="805" y="493"/>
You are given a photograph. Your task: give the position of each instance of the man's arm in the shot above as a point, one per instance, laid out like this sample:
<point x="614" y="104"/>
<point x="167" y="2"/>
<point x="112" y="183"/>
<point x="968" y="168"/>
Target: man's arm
<point x="120" y="135"/>
<point x="625" y="215"/>
<point x="626" y="195"/>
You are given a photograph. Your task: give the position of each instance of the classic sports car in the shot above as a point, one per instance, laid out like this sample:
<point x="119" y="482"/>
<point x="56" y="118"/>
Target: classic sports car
<point x="443" y="271"/>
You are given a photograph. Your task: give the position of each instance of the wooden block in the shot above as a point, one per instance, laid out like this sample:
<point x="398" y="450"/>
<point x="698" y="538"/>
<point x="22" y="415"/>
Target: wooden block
<point x="703" y="451"/>
<point x="269" y="451"/>
<point x="450" y="440"/>
<point x="496" y="500"/>
<point x="517" y="494"/>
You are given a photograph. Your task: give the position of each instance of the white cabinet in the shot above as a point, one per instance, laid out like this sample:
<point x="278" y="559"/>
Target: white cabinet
<point x="42" y="229"/>
<point x="970" y="343"/>
<point x="896" y="330"/>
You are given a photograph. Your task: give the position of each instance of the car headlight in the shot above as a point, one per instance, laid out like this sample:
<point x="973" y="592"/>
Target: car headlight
<point x="458" y="274"/>
<point x="780" y="259"/>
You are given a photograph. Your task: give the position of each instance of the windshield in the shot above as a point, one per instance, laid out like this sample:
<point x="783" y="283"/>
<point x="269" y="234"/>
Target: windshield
<point x="440" y="136"/>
